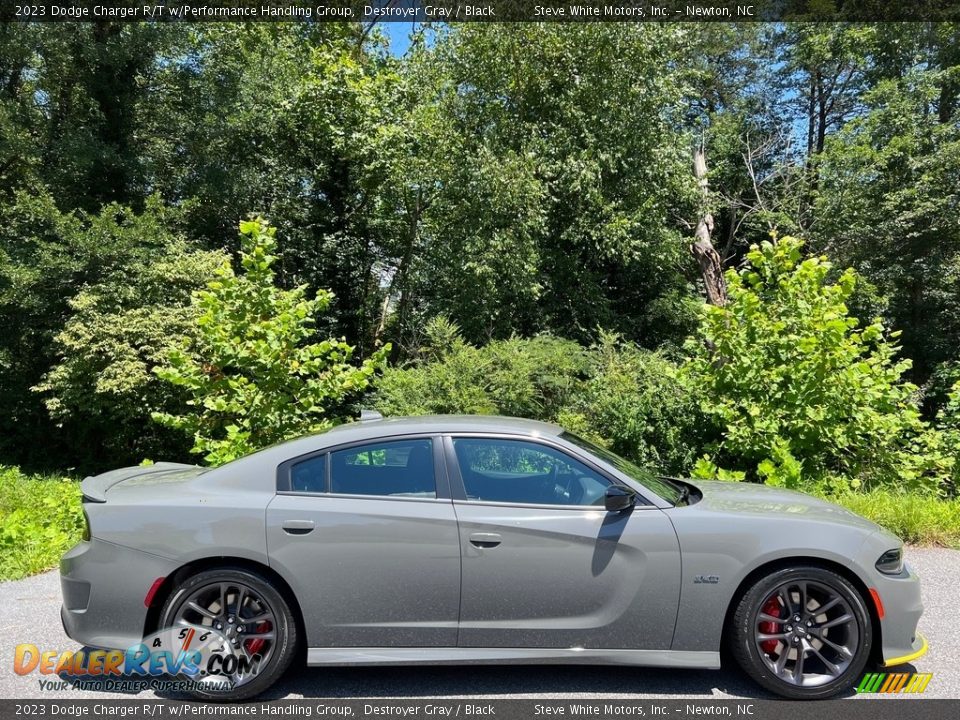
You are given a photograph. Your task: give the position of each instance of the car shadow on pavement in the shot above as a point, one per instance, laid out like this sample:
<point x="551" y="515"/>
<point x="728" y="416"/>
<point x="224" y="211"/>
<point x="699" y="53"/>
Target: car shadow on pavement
<point x="513" y="681"/>
<point x="481" y="681"/>
<point x="532" y="681"/>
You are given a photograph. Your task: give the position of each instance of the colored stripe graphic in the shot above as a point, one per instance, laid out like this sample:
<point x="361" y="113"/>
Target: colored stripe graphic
<point x="894" y="683"/>
<point x="918" y="683"/>
<point x="870" y="683"/>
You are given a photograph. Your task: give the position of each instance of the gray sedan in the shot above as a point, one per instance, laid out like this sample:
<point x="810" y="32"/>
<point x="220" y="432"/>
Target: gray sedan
<point x="463" y="540"/>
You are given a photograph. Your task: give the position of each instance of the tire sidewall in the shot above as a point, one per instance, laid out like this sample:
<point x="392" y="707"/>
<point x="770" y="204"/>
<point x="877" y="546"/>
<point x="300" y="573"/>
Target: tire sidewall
<point x="286" y="628"/>
<point x="749" y="656"/>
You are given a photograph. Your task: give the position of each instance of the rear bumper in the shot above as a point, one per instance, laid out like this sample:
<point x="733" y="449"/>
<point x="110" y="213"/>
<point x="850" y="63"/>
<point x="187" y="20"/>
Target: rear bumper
<point x="104" y="586"/>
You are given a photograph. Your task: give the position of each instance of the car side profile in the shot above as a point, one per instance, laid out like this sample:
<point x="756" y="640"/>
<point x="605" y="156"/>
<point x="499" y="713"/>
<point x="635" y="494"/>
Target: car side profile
<point x="467" y="540"/>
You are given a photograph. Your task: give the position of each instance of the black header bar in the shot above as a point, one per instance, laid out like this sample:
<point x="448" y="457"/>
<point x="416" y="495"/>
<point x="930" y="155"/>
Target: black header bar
<point x="480" y="10"/>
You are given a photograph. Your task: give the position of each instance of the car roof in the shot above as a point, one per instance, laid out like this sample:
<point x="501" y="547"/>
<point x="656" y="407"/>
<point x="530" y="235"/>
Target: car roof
<point x="441" y="424"/>
<point x="393" y="426"/>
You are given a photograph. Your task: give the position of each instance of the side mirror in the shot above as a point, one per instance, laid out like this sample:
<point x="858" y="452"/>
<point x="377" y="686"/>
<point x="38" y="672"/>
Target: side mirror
<point x="619" y="498"/>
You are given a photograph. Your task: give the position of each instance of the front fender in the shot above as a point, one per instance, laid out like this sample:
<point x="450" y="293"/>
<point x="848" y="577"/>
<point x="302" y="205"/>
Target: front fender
<point x="718" y="552"/>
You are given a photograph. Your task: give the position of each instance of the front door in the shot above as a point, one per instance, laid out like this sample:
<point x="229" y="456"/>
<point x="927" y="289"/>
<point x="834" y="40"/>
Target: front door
<point x="544" y="565"/>
<point x="369" y="545"/>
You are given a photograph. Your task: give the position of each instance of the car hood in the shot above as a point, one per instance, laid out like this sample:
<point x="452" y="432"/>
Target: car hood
<point x="753" y="499"/>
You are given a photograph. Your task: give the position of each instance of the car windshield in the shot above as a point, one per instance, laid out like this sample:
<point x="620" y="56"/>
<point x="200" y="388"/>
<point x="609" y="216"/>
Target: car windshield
<point x="670" y="491"/>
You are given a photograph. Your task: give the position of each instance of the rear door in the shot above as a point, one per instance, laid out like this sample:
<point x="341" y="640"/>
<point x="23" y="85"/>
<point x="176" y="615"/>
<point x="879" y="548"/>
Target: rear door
<point x="367" y="537"/>
<point x="544" y="564"/>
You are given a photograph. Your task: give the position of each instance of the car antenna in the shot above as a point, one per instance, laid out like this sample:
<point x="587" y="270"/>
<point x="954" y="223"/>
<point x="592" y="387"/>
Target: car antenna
<point x="370" y="415"/>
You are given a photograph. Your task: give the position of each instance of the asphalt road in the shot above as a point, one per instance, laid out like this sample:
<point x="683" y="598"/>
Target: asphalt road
<point x="30" y="614"/>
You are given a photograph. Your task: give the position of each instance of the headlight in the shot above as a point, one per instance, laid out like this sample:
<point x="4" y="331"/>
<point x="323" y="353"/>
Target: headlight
<point x="891" y="562"/>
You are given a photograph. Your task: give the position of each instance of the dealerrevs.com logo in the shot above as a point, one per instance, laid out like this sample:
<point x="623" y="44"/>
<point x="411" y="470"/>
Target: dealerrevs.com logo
<point x="193" y="655"/>
<point x="894" y="682"/>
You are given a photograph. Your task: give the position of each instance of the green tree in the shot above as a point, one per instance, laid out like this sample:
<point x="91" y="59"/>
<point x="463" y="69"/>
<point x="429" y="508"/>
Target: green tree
<point x="555" y="184"/>
<point x="807" y="394"/>
<point x="253" y="372"/>
<point x="888" y="206"/>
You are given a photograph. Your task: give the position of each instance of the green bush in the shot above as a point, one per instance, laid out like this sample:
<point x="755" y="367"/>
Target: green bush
<point x="531" y="378"/>
<point x="614" y="392"/>
<point x="634" y="402"/>
<point x="807" y="395"/>
<point x="252" y="370"/>
<point x="40" y="518"/>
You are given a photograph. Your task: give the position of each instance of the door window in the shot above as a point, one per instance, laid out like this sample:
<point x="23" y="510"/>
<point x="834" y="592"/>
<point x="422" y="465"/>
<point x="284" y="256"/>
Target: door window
<point x="519" y="471"/>
<point x="402" y="468"/>
<point x="310" y="475"/>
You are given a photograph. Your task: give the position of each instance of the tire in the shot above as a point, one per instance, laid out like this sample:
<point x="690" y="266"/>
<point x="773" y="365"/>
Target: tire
<point x="834" y="651"/>
<point x="256" y="594"/>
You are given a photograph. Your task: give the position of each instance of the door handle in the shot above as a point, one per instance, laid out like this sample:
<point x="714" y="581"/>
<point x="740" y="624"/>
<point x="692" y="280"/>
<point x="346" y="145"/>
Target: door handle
<point x="485" y="540"/>
<point x="297" y="527"/>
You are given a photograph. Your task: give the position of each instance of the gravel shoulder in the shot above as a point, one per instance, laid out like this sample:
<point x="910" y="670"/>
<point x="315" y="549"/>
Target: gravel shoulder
<point x="31" y="615"/>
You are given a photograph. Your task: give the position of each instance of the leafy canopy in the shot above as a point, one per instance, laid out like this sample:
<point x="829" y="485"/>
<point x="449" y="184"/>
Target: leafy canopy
<point x="804" y="391"/>
<point x="254" y="374"/>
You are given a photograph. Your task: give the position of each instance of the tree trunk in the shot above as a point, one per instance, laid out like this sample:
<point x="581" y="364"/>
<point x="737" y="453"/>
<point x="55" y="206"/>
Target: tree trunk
<point x="702" y="248"/>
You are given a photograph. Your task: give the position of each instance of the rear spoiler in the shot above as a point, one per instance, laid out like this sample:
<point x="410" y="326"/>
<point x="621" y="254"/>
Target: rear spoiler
<point x="94" y="488"/>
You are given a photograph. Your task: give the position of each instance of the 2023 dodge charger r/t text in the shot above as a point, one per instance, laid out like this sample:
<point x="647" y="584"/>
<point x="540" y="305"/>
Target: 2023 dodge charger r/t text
<point x="445" y="540"/>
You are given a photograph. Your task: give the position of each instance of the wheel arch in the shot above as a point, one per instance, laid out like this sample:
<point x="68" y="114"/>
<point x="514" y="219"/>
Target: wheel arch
<point x="152" y="621"/>
<point x="771" y="566"/>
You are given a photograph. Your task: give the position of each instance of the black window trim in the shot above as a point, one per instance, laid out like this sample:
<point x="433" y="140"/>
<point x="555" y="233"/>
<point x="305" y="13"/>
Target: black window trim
<point x="284" y="474"/>
<point x="459" y="492"/>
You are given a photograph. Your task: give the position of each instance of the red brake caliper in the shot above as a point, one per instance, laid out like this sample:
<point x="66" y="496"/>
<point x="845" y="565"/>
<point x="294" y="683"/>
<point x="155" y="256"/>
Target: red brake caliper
<point x="256" y="645"/>
<point x="770" y="607"/>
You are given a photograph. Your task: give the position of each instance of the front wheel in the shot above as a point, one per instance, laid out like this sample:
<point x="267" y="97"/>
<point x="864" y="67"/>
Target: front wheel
<point x="802" y="633"/>
<point x="255" y="630"/>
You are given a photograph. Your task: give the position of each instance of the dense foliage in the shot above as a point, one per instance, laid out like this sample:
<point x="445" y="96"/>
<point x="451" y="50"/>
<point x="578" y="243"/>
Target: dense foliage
<point x="534" y="186"/>
<point x="612" y="392"/>
<point x="805" y="392"/>
<point x="251" y="372"/>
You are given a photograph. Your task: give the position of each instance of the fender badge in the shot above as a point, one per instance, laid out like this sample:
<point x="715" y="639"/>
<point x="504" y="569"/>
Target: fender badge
<point x="706" y="579"/>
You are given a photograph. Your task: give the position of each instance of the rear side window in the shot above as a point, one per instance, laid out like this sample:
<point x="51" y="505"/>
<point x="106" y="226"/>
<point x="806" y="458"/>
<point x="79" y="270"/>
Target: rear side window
<point x="517" y="471"/>
<point x="402" y="468"/>
<point x="309" y="475"/>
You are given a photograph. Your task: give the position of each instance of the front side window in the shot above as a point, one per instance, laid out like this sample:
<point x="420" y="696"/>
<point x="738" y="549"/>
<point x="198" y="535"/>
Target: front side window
<point x="401" y="468"/>
<point x="665" y="488"/>
<point x="519" y="471"/>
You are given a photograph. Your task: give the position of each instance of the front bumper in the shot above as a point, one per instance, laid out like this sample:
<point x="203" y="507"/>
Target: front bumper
<point x="104" y="586"/>
<point x="902" y="608"/>
<point x="921" y="649"/>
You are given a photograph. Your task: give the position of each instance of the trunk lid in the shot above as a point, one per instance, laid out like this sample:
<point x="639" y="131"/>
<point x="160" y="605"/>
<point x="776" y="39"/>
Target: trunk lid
<point x="96" y="487"/>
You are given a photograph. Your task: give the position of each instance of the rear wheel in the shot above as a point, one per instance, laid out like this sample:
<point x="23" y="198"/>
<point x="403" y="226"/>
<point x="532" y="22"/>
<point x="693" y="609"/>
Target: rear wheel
<point x="802" y="633"/>
<point x="258" y="630"/>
